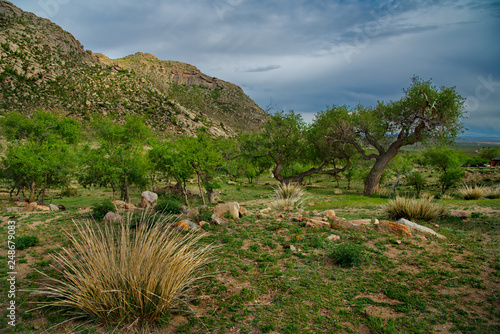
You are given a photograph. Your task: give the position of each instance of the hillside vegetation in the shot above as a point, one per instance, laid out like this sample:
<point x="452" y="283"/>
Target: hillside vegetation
<point x="44" y="67"/>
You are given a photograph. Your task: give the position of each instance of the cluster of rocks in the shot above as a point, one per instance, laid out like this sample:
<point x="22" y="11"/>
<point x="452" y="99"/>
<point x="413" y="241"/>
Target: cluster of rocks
<point x="221" y="212"/>
<point x="22" y="204"/>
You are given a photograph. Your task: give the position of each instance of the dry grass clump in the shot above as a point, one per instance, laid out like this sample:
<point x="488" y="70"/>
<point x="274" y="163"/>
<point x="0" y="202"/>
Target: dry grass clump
<point x="472" y="192"/>
<point x="492" y="193"/>
<point x="127" y="278"/>
<point x="414" y="209"/>
<point x="288" y="196"/>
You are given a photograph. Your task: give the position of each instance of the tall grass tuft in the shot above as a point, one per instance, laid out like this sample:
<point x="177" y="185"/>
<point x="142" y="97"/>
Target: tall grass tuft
<point x="414" y="209"/>
<point x="127" y="278"/>
<point x="288" y="195"/>
<point x="472" y="193"/>
<point x="492" y="193"/>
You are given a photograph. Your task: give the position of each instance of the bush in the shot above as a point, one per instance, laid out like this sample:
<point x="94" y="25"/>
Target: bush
<point x="169" y="205"/>
<point x="347" y="255"/>
<point x="414" y="209"/>
<point x="469" y="193"/>
<point x="26" y="241"/>
<point x="288" y="196"/>
<point x="492" y="193"/>
<point x="100" y="210"/>
<point x="126" y="278"/>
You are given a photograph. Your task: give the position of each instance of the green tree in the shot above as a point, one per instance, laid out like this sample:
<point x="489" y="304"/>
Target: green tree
<point x="41" y="154"/>
<point x="447" y="161"/>
<point x="425" y="113"/>
<point x="294" y="149"/>
<point x="120" y="160"/>
<point x="401" y="166"/>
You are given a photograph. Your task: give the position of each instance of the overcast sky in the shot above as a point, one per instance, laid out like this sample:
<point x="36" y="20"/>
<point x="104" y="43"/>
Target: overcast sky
<point x="307" y="55"/>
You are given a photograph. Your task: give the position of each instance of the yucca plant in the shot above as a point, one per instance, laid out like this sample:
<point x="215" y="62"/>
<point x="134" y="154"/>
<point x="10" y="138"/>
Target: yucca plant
<point x="288" y="195"/>
<point x="414" y="209"/>
<point x="125" y="277"/>
<point x="472" y="192"/>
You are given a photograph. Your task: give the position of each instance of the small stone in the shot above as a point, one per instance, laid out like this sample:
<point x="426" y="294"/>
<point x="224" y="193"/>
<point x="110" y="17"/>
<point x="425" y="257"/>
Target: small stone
<point x="266" y="210"/>
<point x="310" y="203"/>
<point x="148" y="199"/>
<point x="333" y="237"/>
<point x="421" y="237"/>
<point x="119" y="204"/>
<point x="13" y="209"/>
<point x="361" y="221"/>
<point x="436" y="225"/>
<point x="231" y="183"/>
<point x="375" y="221"/>
<point x="201" y="223"/>
<point x="43" y="208"/>
<point x="21" y="204"/>
<point x="243" y="211"/>
<point x="398" y="242"/>
<point x="112" y="217"/>
<point x="53" y="207"/>
<point x="186" y="224"/>
<point x="129" y="207"/>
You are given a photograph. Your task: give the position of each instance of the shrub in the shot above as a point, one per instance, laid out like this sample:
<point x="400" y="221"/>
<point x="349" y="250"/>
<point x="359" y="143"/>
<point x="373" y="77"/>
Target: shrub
<point x="492" y="193"/>
<point x="347" y="255"/>
<point x="471" y="193"/>
<point x="126" y="278"/>
<point x="414" y="209"/>
<point x="26" y="241"/>
<point x="100" y="210"/>
<point x="288" y="196"/>
<point x="171" y="205"/>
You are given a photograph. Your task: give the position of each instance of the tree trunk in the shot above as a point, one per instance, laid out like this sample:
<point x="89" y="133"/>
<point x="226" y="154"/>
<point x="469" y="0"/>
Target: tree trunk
<point x="199" y="187"/>
<point x="211" y="197"/>
<point x="32" y="192"/>
<point x="381" y="162"/>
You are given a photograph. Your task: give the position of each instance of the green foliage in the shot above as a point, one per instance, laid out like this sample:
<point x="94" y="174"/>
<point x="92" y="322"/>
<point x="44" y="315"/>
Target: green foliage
<point x="415" y="179"/>
<point x="120" y="162"/>
<point x="101" y="209"/>
<point x="348" y="255"/>
<point x="450" y="178"/>
<point x="26" y="241"/>
<point x="42" y="152"/>
<point x="169" y="205"/>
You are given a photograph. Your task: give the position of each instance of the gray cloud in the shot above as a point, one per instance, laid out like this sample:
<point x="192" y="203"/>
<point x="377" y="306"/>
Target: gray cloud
<point x="329" y="52"/>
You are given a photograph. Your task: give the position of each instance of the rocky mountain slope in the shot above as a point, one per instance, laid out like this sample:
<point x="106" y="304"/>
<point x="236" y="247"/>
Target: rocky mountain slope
<point x="44" y="67"/>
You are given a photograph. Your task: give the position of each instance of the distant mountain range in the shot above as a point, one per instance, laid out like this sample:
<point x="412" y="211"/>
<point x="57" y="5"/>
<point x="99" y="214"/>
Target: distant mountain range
<point x="44" y="67"/>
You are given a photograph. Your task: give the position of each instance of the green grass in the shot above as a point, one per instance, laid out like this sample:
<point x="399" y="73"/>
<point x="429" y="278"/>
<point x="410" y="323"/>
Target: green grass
<point x="416" y="286"/>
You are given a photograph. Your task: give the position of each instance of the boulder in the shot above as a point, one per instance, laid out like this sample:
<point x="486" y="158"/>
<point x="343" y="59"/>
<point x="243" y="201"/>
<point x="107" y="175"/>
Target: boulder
<point x="340" y="223"/>
<point x="186" y="224"/>
<point x="232" y="207"/>
<point x="266" y="210"/>
<point x="43" y="208"/>
<point x="218" y="220"/>
<point x="393" y="228"/>
<point x="112" y="217"/>
<point x="129" y="207"/>
<point x="420" y="228"/>
<point x="148" y="199"/>
<point x="201" y="223"/>
<point x="312" y="223"/>
<point x="13" y="209"/>
<point x="361" y="221"/>
<point x="243" y="211"/>
<point x="32" y="206"/>
<point x="53" y="207"/>
<point x="328" y="213"/>
<point x="231" y="183"/>
<point x="192" y="213"/>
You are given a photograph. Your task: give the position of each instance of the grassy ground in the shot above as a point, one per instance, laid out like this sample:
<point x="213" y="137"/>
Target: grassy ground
<point x="259" y="285"/>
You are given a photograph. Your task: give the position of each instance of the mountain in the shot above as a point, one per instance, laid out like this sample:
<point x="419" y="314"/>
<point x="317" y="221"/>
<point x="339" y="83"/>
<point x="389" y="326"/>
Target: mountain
<point x="44" y="67"/>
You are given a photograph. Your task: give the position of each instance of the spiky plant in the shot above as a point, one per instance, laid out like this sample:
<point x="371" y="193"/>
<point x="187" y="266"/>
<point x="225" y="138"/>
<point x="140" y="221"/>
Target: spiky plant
<point x="472" y="192"/>
<point x="288" y="195"/>
<point x="414" y="209"/>
<point x="125" y="277"/>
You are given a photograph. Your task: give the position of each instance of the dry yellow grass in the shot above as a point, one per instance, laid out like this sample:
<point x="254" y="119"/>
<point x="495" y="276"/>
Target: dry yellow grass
<point x="127" y="278"/>
<point x="414" y="209"/>
<point x="472" y="192"/>
<point x="288" y="196"/>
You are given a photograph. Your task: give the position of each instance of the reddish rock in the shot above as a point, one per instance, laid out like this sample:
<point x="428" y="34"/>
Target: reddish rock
<point x="394" y="228"/>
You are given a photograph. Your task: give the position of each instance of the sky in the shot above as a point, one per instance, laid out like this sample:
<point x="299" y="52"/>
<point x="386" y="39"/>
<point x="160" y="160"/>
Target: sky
<point x="307" y="55"/>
